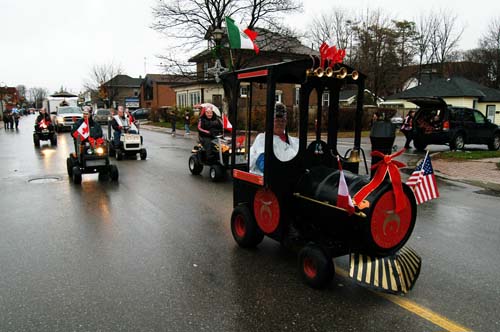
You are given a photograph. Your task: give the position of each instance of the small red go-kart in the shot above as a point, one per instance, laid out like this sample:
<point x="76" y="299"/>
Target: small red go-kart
<point x="295" y="200"/>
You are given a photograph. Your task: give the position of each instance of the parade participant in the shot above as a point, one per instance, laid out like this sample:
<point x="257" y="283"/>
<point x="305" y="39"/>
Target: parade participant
<point x="173" y="120"/>
<point x="407" y="128"/>
<point x="94" y="129"/>
<point x="121" y="124"/>
<point x="43" y="119"/>
<point x="285" y="147"/>
<point x="209" y="126"/>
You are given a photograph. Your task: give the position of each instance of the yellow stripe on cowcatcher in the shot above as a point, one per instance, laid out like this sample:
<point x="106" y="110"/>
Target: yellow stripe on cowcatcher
<point x="392" y="274"/>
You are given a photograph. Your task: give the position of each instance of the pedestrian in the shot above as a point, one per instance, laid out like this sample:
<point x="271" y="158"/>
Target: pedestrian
<point x="173" y="120"/>
<point x="407" y="128"/>
<point x="187" y="122"/>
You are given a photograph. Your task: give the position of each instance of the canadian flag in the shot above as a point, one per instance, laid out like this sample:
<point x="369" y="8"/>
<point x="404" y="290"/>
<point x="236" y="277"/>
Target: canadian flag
<point x="225" y="122"/>
<point x="344" y="200"/>
<point x="43" y="124"/>
<point x="82" y="132"/>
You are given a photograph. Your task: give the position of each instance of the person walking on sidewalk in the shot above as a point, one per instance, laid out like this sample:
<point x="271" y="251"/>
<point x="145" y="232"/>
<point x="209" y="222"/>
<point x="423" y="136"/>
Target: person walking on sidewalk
<point x="407" y="128"/>
<point x="187" y="122"/>
<point x="173" y="120"/>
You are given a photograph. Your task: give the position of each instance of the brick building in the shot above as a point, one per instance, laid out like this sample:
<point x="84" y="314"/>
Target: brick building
<point x="123" y="90"/>
<point x="158" y="90"/>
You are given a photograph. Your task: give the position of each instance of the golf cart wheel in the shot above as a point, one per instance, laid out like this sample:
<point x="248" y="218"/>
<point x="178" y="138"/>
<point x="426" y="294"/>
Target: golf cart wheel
<point x="113" y="173"/>
<point x="458" y="142"/>
<point x="77" y="175"/>
<point x="118" y="154"/>
<point x="195" y="167"/>
<point x="244" y="228"/>
<point x="144" y="154"/>
<point x="217" y="173"/>
<point x="315" y="266"/>
<point x="53" y="140"/>
<point x="494" y="144"/>
<point x="69" y="166"/>
<point x="103" y="176"/>
<point x="36" y="141"/>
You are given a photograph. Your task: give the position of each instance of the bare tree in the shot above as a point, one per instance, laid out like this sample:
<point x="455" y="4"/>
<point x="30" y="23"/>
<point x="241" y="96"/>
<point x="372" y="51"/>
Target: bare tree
<point x="426" y="28"/>
<point x="444" y="41"/>
<point x="335" y="28"/>
<point x="21" y="90"/>
<point x="490" y="44"/>
<point x="36" y="95"/>
<point x="100" y="74"/>
<point x="190" y="23"/>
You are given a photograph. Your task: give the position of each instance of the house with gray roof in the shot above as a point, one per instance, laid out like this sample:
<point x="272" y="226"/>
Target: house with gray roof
<point x="456" y="91"/>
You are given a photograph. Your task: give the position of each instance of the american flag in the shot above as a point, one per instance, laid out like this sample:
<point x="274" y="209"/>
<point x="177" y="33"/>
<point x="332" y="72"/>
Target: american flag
<point x="423" y="182"/>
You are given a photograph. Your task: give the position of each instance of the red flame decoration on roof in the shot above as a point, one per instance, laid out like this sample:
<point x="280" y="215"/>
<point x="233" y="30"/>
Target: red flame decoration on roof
<point x="331" y="53"/>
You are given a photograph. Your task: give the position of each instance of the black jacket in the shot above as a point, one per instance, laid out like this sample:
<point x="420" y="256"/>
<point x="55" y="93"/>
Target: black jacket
<point x="95" y="128"/>
<point x="209" y="127"/>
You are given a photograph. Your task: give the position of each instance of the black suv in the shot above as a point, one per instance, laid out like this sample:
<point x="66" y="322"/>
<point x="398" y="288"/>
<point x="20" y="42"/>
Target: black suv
<point x="436" y="122"/>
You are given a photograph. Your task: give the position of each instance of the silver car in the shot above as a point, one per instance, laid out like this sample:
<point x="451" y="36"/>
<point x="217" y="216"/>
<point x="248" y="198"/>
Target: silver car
<point x="102" y="116"/>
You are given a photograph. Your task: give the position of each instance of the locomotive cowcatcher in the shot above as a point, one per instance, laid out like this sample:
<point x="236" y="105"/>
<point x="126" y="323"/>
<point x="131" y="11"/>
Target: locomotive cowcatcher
<point x="294" y="199"/>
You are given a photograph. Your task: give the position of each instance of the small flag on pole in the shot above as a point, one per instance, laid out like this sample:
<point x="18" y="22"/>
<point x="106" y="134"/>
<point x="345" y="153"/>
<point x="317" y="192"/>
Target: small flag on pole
<point x="344" y="200"/>
<point x="423" y="181"/>
<point x="241" y="38"/>
<point x="82" y="132"/>
<point x="225" y="121"/>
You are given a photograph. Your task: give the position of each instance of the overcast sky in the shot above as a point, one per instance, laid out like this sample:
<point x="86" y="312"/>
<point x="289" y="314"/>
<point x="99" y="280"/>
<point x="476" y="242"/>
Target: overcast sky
<point x="54" y="43"/>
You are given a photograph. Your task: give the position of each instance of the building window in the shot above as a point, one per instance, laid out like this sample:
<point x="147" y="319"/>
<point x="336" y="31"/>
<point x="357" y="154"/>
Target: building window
<point x="490" y="112"/>
<point x="326" y="98"/>
<point x="194" y="98"/>
<point x="279" y="96"/>
<point x="182" y="99"/>
<point x="297" y="95"/>
<point x="205" y="71"/>
<point x="244" y="91"/>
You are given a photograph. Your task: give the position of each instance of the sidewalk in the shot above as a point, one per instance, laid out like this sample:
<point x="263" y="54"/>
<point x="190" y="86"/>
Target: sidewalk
<point x="481" y="172"/>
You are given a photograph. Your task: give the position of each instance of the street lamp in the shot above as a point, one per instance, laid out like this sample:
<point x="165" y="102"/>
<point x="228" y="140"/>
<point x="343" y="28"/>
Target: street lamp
<point x="217" y="35"/>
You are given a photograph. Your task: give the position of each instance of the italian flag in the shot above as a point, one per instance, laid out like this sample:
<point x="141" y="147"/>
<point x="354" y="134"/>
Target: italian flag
<point x="241" y="38"/>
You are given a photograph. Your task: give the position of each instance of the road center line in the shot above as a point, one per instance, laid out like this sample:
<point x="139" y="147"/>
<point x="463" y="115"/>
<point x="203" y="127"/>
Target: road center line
<point x="416" y="309"/>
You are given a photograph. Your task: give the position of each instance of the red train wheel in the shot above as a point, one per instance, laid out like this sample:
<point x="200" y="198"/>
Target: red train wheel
<point x="239" y="226"/>
<point x="244" y="228"/>
<point x="315" y="266"/>
<point x="389" y="230"/>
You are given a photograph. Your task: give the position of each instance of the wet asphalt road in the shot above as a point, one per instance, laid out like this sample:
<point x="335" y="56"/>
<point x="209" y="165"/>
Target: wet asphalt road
<point x="155" y="253"/>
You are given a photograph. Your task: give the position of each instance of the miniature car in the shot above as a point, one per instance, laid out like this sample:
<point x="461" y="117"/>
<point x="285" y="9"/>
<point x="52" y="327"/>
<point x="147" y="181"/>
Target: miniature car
<point x="44" y="132"/>
<point x="295" y="200"/>
<point x="129" y="146"/>
<point x="219" y="163"/>
<point x="91" y="158"/>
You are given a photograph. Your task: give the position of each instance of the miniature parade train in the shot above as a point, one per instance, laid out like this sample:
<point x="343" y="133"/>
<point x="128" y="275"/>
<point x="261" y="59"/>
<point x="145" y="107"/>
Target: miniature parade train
<point x="295" y="201"/>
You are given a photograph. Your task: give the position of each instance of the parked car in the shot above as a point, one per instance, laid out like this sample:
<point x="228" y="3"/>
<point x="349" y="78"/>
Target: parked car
<point x="102" y="116"/>
<point x="65" y="116"/>
<point x="436" y="122"/>
<point x="141" y="113"/>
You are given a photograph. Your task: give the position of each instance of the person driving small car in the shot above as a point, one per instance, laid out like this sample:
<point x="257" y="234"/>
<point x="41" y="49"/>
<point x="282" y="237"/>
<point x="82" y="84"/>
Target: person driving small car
<point x="43" y="119"/>
<point x="285" y="147"/>
<point x="209" y="126"/>
<point x="121" y="123"/>
<point x="95" y="129"/>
